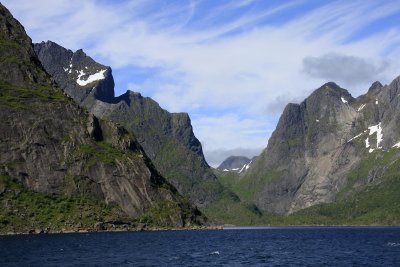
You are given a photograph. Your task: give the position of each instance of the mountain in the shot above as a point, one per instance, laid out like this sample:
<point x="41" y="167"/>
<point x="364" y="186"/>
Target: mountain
<point x="167" y="138"/>
<point x="235" y="163"/>
<point x="61" y="166"/>
<point x="91" y="80"/>
<point x="328" y="149"/>
<point x="332" y="160"/>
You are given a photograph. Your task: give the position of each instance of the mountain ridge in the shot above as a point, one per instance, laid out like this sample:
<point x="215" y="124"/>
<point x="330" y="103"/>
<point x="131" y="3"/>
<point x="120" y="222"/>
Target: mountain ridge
<point x="167" y="138"/>
<point x="60" y="152"/>
<point x="319" y="139"/>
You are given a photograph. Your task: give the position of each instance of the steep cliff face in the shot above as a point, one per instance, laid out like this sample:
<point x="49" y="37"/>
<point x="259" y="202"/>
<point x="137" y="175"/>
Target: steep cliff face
<point x="318" y="143"/>
<point x="51" y="145"/>
<point x="167" y="138"/>
<point x="79" y="75"/>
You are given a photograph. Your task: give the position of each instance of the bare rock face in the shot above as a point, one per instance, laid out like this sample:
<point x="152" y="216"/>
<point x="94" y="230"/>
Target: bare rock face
<point x="49" y="144"/>
<point x="79" y="75"/>
<point x="167" y="138"/>
<point x="318" y="142"/>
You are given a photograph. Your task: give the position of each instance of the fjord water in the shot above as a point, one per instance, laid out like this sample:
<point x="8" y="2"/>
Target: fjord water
<point x="235" y="247"/>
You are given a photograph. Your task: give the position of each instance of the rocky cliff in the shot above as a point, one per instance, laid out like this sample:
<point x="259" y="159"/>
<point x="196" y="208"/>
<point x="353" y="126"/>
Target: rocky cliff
<point x="91" y="80"/>
<point x="167" y="138"/>
<point x="51" y="145"/>
<point x="320" y="143"/>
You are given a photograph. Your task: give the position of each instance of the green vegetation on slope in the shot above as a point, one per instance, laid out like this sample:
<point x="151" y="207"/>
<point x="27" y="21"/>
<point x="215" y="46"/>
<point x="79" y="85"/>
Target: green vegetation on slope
<point x="231" y="207"/>
<point x="168" y="212"/>
<point x="102" y="151"/>
<point x="228" y="209"/>
<point x="371" y="197"/>
<point x="171" y="156"/>
<point x="17" y="97"/>
<point x="22" y="210"/>
<point x="376" y="204"/>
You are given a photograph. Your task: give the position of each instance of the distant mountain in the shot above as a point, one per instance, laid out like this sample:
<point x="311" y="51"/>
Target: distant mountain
<point x="328" y="148"/>
<point x="237" y="164"/>
<point x="167" y="138"/>
<point x="62" y="167"/>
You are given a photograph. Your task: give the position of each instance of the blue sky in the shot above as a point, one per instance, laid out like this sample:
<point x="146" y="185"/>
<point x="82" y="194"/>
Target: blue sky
<point x="232" y="65"/>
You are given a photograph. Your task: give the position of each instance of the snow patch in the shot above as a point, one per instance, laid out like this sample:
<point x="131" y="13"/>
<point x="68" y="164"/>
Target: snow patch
<point x="358" y="135"/>
<point x="248" y="165"/>
<point x="235" y="169"/>
<point x="376" y="102"/>
<point x="361" y="107"/>
<point x="245" y="167"/>
<point x="343" y="100"/>
<point x="225" y="170"/>
<point x="397" y="145"/>
<point x="317" y="120"/>
<point x="94" y="77"/>
<point x="379" y="135"/>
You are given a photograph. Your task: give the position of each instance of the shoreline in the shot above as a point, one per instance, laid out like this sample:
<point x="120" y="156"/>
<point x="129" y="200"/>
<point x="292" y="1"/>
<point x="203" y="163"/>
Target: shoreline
<point x="115" y="230"/>
<point x="196" y="228"/>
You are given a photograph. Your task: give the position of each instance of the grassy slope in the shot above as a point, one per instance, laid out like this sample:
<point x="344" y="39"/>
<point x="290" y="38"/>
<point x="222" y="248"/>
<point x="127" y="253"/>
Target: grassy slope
<point x="22" y="210"/>
<point x="231" y="207"/>
<point x="361" y="202"/>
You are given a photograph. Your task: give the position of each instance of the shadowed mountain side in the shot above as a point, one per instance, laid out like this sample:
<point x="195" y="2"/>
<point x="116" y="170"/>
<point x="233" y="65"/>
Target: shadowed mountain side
<point x="52" y="146"/>
<point x="167" y="138"/>
<point x="318" y="144"/>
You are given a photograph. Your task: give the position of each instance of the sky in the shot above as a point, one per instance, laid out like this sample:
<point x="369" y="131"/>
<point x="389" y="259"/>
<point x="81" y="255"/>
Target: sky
<point x="232" y="65"/>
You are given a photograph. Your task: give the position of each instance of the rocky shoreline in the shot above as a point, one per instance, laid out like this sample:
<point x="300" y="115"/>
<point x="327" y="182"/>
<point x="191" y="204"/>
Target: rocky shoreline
<point x="139" y="228"/>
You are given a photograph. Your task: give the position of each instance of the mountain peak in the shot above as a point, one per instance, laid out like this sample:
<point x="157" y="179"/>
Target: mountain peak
<point x="331" y="85"/>
<point x="84" y="79"/>
<point x="330" y="92"/>
<point x="375" y="86"/>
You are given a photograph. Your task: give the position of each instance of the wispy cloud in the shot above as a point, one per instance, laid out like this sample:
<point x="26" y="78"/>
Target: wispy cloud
<point x="231" y="63"/>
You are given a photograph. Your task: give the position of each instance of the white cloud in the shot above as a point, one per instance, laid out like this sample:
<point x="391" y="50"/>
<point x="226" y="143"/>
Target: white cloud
<point x="244" y="69"/>
<point x="227" y="132"/>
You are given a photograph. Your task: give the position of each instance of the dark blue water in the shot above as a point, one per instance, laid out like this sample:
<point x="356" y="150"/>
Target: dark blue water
<point x="257" y="247"/>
